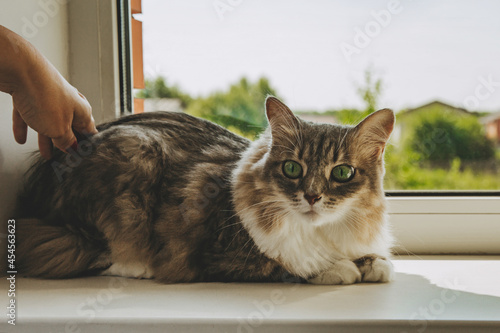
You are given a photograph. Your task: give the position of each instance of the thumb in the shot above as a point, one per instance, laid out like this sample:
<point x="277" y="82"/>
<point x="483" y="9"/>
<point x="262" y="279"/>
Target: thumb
<point x="66" y="141"/>
<point x="19" y="127"/>
<point x="83" y="121"/>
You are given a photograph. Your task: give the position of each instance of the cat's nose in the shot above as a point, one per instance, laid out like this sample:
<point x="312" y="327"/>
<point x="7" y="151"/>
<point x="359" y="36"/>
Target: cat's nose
<point x="312" y="198"/>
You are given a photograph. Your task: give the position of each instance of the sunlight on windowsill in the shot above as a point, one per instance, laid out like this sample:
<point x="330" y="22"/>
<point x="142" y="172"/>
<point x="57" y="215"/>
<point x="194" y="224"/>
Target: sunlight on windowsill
<point x="446" y="291"/>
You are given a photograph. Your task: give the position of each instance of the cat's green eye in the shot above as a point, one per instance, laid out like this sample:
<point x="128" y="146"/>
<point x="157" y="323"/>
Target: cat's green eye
<point x="292" y="169"/>
<point x="343" y="173"/>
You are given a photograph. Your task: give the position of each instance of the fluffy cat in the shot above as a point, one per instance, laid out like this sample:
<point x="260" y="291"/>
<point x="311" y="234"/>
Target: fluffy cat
<point x="172" y="197"/>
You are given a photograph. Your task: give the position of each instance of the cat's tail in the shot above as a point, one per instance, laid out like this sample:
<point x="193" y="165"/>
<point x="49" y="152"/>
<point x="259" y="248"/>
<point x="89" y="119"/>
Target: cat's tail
<point x="56" y="251"/>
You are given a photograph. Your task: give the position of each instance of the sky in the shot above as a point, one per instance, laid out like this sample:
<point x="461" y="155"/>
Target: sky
<point x="315" y="52"/>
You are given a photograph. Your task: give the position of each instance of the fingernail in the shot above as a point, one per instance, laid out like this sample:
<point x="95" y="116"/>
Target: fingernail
<point x="74" y="145"/>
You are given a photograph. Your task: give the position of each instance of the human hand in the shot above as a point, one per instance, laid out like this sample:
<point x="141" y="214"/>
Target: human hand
<point x="52" y="107"/>
<point x="42" y="98"/>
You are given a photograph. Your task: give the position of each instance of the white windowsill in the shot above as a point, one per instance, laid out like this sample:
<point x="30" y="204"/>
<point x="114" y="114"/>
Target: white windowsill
<point x="445" y="293"/>
<point x="437" y="225"/>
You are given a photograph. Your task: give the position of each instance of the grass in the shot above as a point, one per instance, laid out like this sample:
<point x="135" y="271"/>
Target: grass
<point x="404" y="174"/>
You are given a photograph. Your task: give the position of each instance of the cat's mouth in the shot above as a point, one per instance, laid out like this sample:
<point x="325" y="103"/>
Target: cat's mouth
<point x="311" y="213"/>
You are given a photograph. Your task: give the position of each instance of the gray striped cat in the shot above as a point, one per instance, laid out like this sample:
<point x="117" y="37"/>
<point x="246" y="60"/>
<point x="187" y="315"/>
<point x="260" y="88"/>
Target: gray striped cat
<point x="172" y="197"/>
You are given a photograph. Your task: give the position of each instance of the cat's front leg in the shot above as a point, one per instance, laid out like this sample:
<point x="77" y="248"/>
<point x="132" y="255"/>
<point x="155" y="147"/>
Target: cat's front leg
<point x="343" y="271"/>
<point x="375" y="268"/>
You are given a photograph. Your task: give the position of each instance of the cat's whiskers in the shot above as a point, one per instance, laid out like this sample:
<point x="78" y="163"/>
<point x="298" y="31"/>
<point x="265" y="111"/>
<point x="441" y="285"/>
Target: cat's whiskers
<point x="234" y="237"/>
<point x="227" y="226"/>
<point x="280" y="216"/>
<point x="241" y="249"/>
<point x="341" y="142"/>
<point x="250" y="251"/>
<point x="408" y="252"/>
<point x="270" y="211"/>
<point x="256" y="204"/>
<point x="349" y="225"/>
<point x="251" y="206"/>
<point x="242" y="228"/>
<point x="354" y="221"/>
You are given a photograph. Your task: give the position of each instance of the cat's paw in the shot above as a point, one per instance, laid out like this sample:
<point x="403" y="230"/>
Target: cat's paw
<point x="343" y="272"/>
<point x="375" y="268"/>
<point x="130" y="270"/>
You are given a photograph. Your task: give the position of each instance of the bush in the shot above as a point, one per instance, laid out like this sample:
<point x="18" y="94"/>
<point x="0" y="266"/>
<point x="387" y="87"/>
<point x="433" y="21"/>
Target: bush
<point x="403" y="173"/>
<point x="439" y="136"/>
<point x="158" y="88"/>
<point x="239" y="109"/>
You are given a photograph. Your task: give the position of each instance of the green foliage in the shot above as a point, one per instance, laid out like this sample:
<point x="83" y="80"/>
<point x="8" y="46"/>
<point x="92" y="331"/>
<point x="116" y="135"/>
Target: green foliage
<point x="404" y="173"/>
<point x="349" y="116"/>
<point x="445" y="136"/>
<point x="441" y="149"/>
<point x="240" y="108"/>
<point x="158" y="88"/>
<point x="370" y="91"/>
<point x="438" y="151"/>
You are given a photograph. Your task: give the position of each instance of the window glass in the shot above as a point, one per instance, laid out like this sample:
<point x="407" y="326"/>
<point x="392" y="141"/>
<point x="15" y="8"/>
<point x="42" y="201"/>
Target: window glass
<point x="435" y="63"/>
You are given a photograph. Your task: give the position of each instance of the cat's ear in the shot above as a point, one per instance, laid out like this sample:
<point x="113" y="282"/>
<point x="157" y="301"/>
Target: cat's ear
<point x="281" y="118"/>
<point x="374" y="131"/>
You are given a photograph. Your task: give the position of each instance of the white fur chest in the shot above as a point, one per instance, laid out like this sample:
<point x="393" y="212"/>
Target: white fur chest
<point x="307" y="250"/>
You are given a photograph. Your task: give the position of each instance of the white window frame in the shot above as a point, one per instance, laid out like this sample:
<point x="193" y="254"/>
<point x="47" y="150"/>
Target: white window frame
<point x="94" y="55"/>
<point x="446" y="224"/>
<point x="421" y="224"/>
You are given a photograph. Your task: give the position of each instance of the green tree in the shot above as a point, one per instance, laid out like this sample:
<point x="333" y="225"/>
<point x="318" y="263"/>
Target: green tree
<point x="370" y="91"/>
<point x="240" y="108"/>
<point x="158" y="88"/>
<point x="439" y="136"/>
<point x="349" y="116"/>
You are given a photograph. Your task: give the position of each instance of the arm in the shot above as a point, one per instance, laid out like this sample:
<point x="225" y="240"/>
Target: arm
<point x="42" y="98"/>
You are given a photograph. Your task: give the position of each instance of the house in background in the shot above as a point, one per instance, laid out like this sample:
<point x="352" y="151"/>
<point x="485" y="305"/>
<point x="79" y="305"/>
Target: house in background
<point x="492" y="125"/>
<point x="436" y="105"/>
<point x="405" y="118"/>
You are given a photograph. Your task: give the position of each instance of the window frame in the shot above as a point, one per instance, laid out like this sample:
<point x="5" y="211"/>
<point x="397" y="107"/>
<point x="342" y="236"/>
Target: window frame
<point x="424" y="222"/>
<point x="124" y="40"/>
<point x="94" y="55"/>
<point x="445" y="224"/>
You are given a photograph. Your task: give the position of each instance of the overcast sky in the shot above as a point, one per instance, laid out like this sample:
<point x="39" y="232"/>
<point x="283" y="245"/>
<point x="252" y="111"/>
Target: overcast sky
<point x="315" y="52"/>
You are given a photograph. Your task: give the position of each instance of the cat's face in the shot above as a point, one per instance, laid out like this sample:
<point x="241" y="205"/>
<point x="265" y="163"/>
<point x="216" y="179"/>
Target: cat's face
<point x="320" y="173"/>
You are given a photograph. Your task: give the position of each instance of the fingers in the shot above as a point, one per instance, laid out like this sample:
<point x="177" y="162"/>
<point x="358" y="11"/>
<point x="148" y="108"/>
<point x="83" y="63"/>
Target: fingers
<point x="19" y="127"/>
<point x="45" y="146"/>
<point x="65" y="141"/>
<point x="74" y="112"/>
<point x="90" y="128"/>
<point x="83" y="121"/>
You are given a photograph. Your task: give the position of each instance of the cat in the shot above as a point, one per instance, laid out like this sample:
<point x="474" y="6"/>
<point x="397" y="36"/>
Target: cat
<point x="169" y="196"/>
